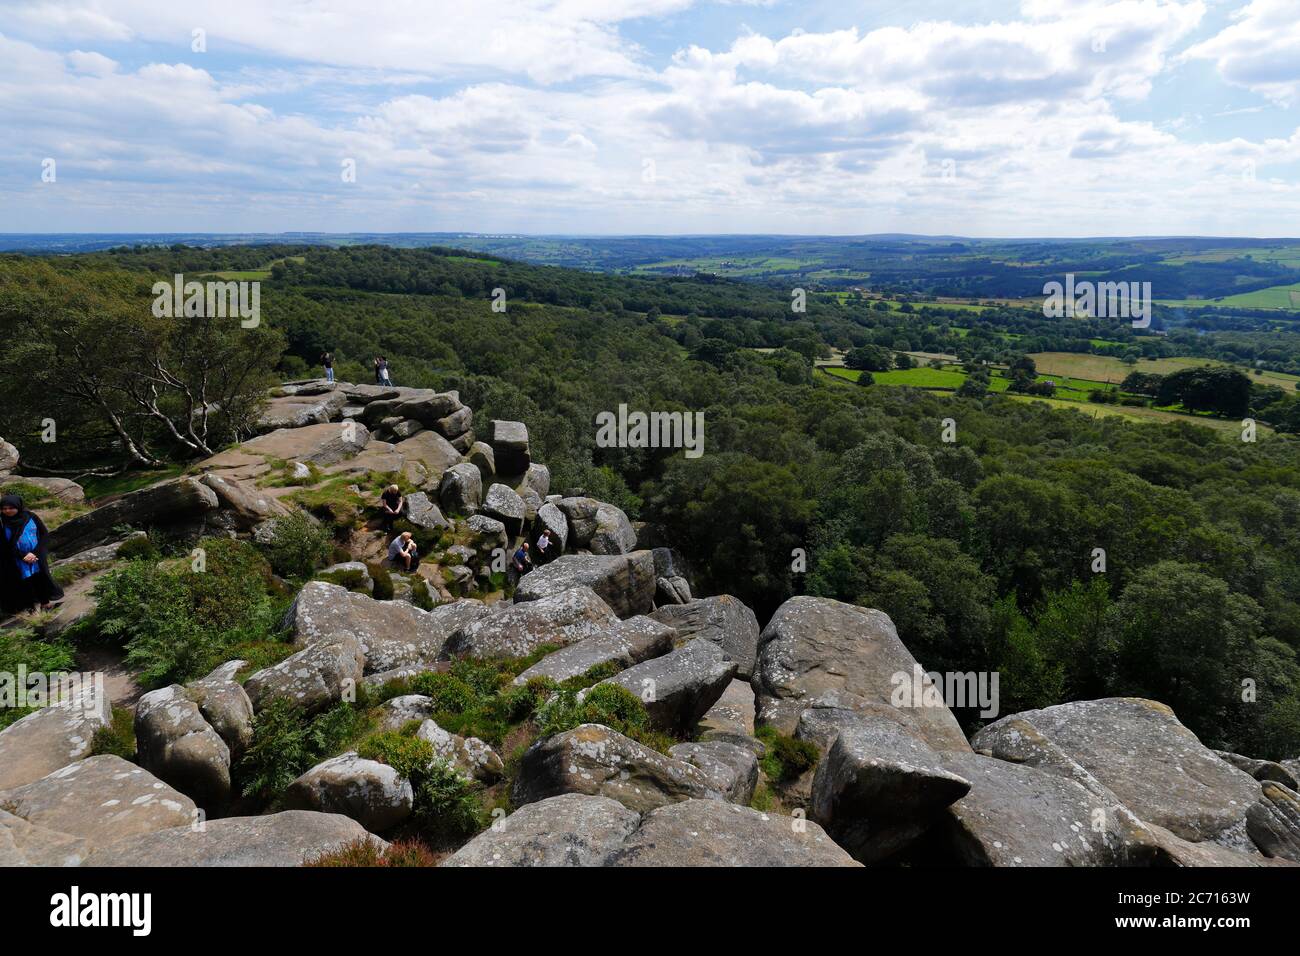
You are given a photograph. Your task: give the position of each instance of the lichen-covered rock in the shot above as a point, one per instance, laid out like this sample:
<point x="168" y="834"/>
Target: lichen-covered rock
<point x="315" y="678"/>
<point x="25" y="844"/>
<point x="716" y="833"/>
<point x="626" y="582"/>
<point x="679" y="688"/>
<point x="537" y="479"/>
<point x="595" y="760"/>
<point x="501" y="502"/>
<point x="724" y="620"/>
<point x="299" y="410"/>
<point x="1139" y="751"/>
<point x="569" y="830"/>
<point x="550" y="518"/>
<point x="471" y="756"/>
<point x="731" y="719"/>
<point x="461" y="489"/>
<point x="815" y="651"/>
<point x="431" y="450"/>
<point x="1273" y="822"/>
<point x="225" y="705"/>
<point x="9" y="457"/>
<point x="516" y="631"/>
<point x="172" y="502"/>
<point x="624" y="643"/>
<point x="325" y="444"/>
<point x="423" y="513"/>
<point x="372" y="793"/>
<point x="50" y="738"/>
<point x="481" y="457"/>
<point x="1262" y="770"/>
<point x="509" y="441"/>
<point x="176" y="743"/>
<point x="290" y="838"/>
<point x="730" y="769"/>
<point x="396" y="712"/>
<point x="101" y="800"/>
<point x="602" y="527"/>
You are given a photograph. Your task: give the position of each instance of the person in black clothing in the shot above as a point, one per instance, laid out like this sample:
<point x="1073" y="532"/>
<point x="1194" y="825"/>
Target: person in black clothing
<point x="327" y="360"/>
<point x="378" y="378"/>
<point x="25" y="579"/>
<point x="391" y="504"/>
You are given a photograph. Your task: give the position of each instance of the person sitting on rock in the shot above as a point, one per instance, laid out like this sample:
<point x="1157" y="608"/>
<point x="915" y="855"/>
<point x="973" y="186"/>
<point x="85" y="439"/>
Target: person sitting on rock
<point x="327" y="359"/>
<point x="404" y="553"/>
<point x="25" y="579"/>
<point x="391" y="504"/>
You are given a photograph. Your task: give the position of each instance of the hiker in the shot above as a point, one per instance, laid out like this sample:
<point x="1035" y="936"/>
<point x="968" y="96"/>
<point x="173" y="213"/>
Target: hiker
<point x="403" y="553"/>
<point x="327" y="359"/>
<point x="391" y="504"/>
<point x="378" y="378"/>
<point x="521" y="563"/>
<point x="545" y="547"/>
<point x="25" y="579"/>
<point x="384" y="378"/>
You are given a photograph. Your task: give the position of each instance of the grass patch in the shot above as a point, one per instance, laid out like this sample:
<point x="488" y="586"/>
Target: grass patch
<point x="787" y="758"/>
<point x="117" y="737"/>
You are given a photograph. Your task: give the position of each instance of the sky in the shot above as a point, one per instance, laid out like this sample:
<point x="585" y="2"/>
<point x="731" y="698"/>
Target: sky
<point x="844" y="117"/>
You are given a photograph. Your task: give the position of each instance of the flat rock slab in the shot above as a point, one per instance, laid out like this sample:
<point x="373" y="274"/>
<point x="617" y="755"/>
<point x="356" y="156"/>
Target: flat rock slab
<point x="48" y="739"/>
<point x="101" y="800"/>
<point x="732" y="716"/>
<point x="167" y="503"/>
<point x="626" y="582"/>
<point x="624" y="643"/>
<point x="1138" y="750"/>
<point x="679" y="688"/>
<point x="564" y="618"/>
<point x="815" y="651"/>
<point x="25" y="844"/>
<point x="569" y="830"/>
<point x="431" y="450"/>
<point x="278" y="839"/>
<point x="323" y="444"/>
<point x="715" y="833"/>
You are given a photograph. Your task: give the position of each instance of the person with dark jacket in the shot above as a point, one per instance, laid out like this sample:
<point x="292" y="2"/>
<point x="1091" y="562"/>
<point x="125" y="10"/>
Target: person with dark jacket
<point x="25" y="579"/>
<point x="391" y="503"/>
<point x="327" y="360"/>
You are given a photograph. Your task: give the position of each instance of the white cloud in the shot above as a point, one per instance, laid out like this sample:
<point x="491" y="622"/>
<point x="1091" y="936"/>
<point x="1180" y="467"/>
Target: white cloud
<point x="1260" y="50"/>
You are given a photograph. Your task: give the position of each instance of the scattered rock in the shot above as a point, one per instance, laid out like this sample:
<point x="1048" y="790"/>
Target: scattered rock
<point x="502" y="503"/>
<point x="626" y="582"/>
<point x="723" y="620"/>
<point x="225" y="705"/>
<point x="481" y="457"/>
<point x="62" y="489"/>
<point x="516" y="631"/>
<point x="423" y="513"/>
<point x="372" y="793"/>
<point x="9" y="457"/>
<point x="400" y="711"/>
<point x="731" y="719"/>
<point x="471" y="756"/>
<point x="175" y="743"/>
<point x="431" y="450"/>
<point x="243" y="501"/>
<point x="599" y="526"/>
<point x="550" y="518"/>
<point x="679" y="688"/>
<point x="569" y="830"/>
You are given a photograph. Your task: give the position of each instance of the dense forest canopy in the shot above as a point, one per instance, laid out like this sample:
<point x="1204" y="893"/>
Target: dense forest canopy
<point x="1078" y="557"/>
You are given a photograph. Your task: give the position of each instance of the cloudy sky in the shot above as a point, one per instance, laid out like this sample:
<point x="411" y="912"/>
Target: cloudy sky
<point x="980" y="118"/>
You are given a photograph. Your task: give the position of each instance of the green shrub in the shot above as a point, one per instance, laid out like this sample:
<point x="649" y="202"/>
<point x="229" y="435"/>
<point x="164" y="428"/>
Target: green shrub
<point x="173" y="621"/>
<point x="286" y="744"/>
<point x="786" y="758"/>
<point x="298" y="546"/>
<point x="383" y="579"/>
<point x="338" y="507"/>
<point x="117" y="737"/>
<point x="352" y="579"/>
<point x="615" y="707"/>
<point x="140" y="547"/>
<point x="20" y="647"/>
<point x="593" y="675"/>
<point x="447" y="807"/>
<point x="450" y="694"/>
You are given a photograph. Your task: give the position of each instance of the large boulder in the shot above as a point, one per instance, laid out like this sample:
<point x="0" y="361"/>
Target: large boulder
<point x="456" y="424"/>
<point x="1273" y="822"/>
<point x="175" y="743"/>
<point x="624" y="643"/>
<point x="679" y="688"/>
<point x="1020" y="815"/>
<point x="225" y="706"/>
<point x="325" y="444"/>
<point x="430" y="408"/>
<point x="731" y="719"/>
<point x="397" y="712"/>
<point x="516" y="631"/>
<point x="172" y="502"/>
<point x="1262" y="770"/>
<point x="50" y="738"/>
<point x="597" y="525"/>
<point x="815" y="651"/>
<point x="509" y="441"/>
<point x="595" y="760"/>
<point x="502" y="503"/>
<point x="569" y="830"/>
<point x="9" y="457"/>
<point x="716" y="833"/>
<point x="487" y="535"/>
<point x="101" y="800"/>
<point x="64" y="490"/>
<point x="433" y="451"/>
<point x="372" y="793"/>
<point x="391" y="633"/>
<point x="318" y="676"/>
<point x="537" y="479"/>
<point x="481" y="457"/>
<point x="471" y="756"/>
<point x="724" y="620"/>
<point x="423" y="513"/>
<point x="290" y="838"/>
<point x="878" y="785"/>
<point x="243" y="501"/>
<point x="550" y="518"/>
<point x="1139" y="751"/>
<point x="730" y="769"/>
<point x="461" y="489"/>
<point x="300" y="410"/>
<point x="626" y="582"/>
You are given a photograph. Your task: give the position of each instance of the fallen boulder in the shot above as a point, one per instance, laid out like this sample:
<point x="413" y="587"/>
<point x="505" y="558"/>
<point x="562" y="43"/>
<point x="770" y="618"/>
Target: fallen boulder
<point x="730" y="769"/>
<point x="516" y="631"/>
<point x="461" y="489"/>
<point x="624" y="643"/>
<point x="679" y="688"/>
<point x="316" y="677"/>
<point x="372" y="793"/>
<point x="723" y="620"/>
<point x="172" y="502"/>
<point x="176" y="744"/>
<point x="626" y="582"/>
<point x="569" y="830"/>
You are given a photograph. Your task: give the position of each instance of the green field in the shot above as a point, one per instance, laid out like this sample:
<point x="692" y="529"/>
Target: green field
<point x="1104" y="368"/>
<point x="1275" y="297"/>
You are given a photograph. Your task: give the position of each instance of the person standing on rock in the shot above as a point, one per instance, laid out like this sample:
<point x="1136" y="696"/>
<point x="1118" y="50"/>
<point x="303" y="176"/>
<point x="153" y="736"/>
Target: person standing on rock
<point x="25" y="579"/>
<point x="391" y="503"/>
<point x="545" y="548"/>
<point x="384" y="378"/>
<point x="521" y="563"/>
<point x="327" y="359"/>
<point x="404" y="553"/>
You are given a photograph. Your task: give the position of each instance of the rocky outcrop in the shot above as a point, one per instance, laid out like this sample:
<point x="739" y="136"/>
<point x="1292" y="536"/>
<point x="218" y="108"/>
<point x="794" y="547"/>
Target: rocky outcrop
<point x="471" y="756"/>
<point x="461" y="489"/>
<point x="723" y="620"/>
<point x="598" y="526"/>
<point x="50" y="738"/>
<point x="598" y="761"/>
<point x="502" y="503"/>
<point x="100" y="800"/>
<point x="679" y="688"/>
<point x="314" y="678"/>
<point x="243" y="501"/>
<point x="561" y="619"/>
<point x="290" y="838"/>
<point x="815" y="651"/>
<point x="177" y="744"/>
<point x="623" y="643"/>
<point x="626" y="582"/>
<point x="1273" y="822"/>
<point x="300" y="410"/>
<point x="568" y="830"/>
<point x="1139" y="751"/>
<point x="431" y="450"/>
<point x="510" y="451"/>
<point x="172" y="502"/>
<point x="372" y="793"/>
<point x="322" y="445"/>
<point x="550" y="518"/>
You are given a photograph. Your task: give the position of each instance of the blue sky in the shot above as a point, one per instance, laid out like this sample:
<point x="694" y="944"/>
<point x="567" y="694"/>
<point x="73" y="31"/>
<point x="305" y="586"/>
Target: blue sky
<point x="983" y="118"/>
